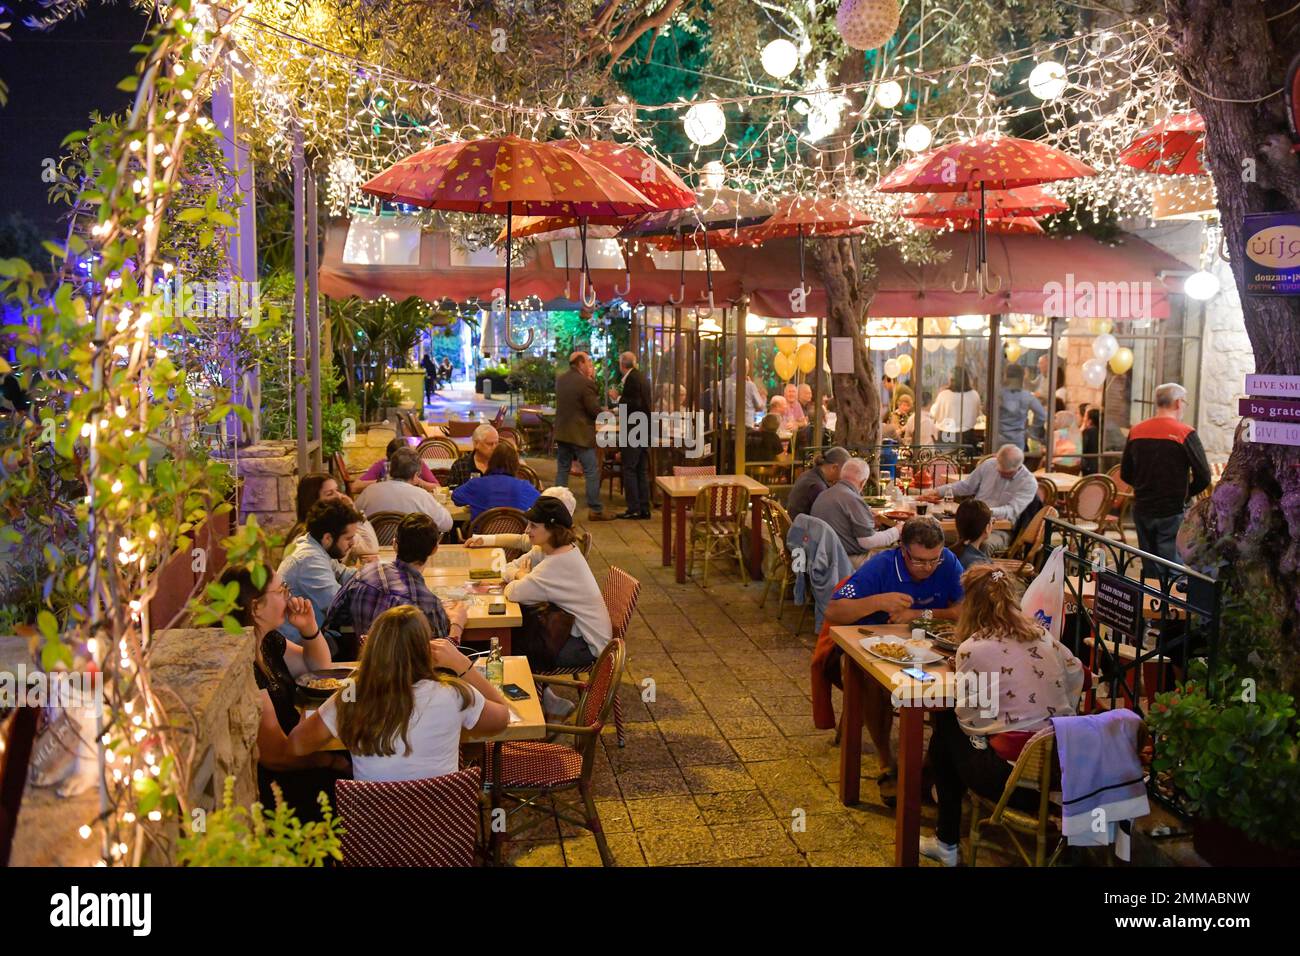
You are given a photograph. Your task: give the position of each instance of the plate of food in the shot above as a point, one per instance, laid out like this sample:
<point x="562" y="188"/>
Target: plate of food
<point x="876" y="501"/>
<point x="899" y="650"/>
<point x="897" y="515"/>
<point x="326" y="681"/>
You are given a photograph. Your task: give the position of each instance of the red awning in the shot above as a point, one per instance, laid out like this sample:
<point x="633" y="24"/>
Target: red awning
<point x="1041" y="275"/>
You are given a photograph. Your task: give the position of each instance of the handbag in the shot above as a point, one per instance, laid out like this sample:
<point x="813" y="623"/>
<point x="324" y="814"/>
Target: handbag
<point x="545" y="630"/>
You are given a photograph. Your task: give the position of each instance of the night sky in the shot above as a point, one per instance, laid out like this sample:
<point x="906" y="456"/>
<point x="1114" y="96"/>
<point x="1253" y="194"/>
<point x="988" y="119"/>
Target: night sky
<point x="55" y="80"/>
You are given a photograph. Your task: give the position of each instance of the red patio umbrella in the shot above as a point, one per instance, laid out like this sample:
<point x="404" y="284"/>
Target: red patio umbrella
<point x="998" y="204"/>
<point x="504" y="176"/>
<point x="1013" y="225"/>
<point x="1171" y="147"/>
<point x="980" y="164"/>
<point x="803" y="216"/>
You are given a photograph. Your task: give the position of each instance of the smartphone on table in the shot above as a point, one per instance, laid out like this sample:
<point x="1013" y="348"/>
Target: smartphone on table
<point x="515" y="692"/>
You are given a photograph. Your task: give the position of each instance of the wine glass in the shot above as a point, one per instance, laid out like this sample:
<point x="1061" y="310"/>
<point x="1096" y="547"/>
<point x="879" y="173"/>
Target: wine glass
<point x="905" y="478"/>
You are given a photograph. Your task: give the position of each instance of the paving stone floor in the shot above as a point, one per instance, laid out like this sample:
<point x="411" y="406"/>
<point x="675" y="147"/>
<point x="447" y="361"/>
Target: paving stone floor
<point x="722" y="765"/>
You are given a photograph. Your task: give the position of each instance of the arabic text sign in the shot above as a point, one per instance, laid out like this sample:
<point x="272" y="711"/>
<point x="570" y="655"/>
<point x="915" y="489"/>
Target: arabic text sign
<point x="1272" y="244"/>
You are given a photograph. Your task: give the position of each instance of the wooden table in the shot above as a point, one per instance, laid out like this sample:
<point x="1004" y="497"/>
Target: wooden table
<point x="948" y="524"/>
<point x="1064" y="481"/>
<point x="527" y="721"/>
<point x="861" y="667"/>
<point x="679" y="492"/>
<point x="445" y="571"/>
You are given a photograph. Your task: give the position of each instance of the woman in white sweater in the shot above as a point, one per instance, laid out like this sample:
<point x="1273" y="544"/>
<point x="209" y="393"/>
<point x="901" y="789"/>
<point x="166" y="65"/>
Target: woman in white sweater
<point x="564" y="580"/>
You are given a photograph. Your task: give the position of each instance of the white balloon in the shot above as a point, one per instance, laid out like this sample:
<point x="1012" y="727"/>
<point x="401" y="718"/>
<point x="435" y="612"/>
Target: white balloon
<point x="1104" y="346"/>
<point x="892" y="368"/>
<point x="779" y="58"/>
<point x="1094" y="373"/>
<point x="705" y="123"/>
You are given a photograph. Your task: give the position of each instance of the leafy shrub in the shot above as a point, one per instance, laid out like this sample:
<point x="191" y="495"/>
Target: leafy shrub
<point x="254" y="836"/>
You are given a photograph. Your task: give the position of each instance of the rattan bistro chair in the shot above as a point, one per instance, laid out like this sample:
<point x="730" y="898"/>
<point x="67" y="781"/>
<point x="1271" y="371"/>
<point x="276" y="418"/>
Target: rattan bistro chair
<point x="526" y="771"/>
<point x="1022" y="556"/>
<point x="432" y="822"/>
<point x="1119" y="508"/>
<point x="439" y="453"/>
<point x="717" y="525"/>
<point x="1033" y="769"/>
<point x="385" y="524"/>
<point x="499" y="521"/>
<point x="777" y="522"/>
<point x="1046" y="491"/>
<point x="1089" y="502"/>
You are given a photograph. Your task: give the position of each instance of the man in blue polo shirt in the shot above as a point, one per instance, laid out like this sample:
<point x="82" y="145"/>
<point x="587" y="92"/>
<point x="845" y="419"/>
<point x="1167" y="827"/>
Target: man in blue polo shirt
<point x="920" y="580"/>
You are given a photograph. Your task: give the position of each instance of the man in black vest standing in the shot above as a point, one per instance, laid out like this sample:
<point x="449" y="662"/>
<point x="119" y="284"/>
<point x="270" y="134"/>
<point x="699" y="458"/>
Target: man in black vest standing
<point x="636" y="458"/>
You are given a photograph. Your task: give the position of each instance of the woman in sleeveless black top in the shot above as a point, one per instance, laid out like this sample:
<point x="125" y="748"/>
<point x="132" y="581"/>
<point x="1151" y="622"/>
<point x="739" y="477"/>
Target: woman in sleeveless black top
<point x="301" y="779"/>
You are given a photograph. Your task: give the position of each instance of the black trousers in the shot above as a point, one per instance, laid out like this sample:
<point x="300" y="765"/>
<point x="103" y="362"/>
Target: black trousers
<point x="957" y="767"/>
<point x="636" y="479"/>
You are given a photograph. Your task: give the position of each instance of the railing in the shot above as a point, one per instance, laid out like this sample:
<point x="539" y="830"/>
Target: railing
<point x="1147" y="628"/>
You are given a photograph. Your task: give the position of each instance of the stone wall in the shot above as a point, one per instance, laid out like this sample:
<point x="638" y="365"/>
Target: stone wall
<point x="367" y="448"/>
<point x="269" y="471"/>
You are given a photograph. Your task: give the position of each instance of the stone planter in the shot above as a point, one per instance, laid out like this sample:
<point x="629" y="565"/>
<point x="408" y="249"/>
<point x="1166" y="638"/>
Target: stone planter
<point x="269" y="473"/>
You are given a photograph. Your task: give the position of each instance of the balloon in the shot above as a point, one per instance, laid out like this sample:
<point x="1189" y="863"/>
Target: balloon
<point x="786" y="341"/>
<point x="1094" y="373"/>
<point x="904" y="364"/>
<point x="1063" y="348"/>
<point x="1100" y="326"/>
<point x="1121" y="361"/>
<point x="1012" y="351"/>
<point x="784" y="366"/>
<point x="942" y="324"/>
<point x="1104" y="346"/>
<point x="805" y="357"/>
<point x="891" y="368"/>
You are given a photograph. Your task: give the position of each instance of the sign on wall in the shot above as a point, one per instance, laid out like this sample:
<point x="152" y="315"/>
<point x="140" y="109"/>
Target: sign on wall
<point x="1272" y="244"/>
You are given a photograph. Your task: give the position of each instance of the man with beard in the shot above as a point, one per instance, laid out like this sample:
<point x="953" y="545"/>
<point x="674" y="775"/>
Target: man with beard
<point x="314" y="568"/>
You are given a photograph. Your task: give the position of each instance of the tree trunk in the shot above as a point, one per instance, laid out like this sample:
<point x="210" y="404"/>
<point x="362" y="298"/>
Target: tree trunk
<point x="857" y="396"/>
<point x="1251" y="527"/>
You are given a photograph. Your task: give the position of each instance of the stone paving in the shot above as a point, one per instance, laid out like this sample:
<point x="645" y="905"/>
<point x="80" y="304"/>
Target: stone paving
<point x="723" y="766"/>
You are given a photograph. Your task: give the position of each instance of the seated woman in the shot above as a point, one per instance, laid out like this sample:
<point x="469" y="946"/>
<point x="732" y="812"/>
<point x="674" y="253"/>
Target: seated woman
<point x="319" y="486"/>
<point x="767" y="444"/>
<point x="426" y="479"/>
<point x="277" y="663"/>
<point x="563" y="580"/>
<point x="499" y="488"/>
<point x="973" y="519"/>
<point x="1024" y="677"/>
<point x="533" y="556"/>
<point x="413" y="696"/>
<point x="1068" y="442"/>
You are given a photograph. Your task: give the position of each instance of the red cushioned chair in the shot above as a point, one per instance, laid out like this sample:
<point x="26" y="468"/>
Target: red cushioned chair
<point x="430" y="822"/>
<point x="525" y="771"/>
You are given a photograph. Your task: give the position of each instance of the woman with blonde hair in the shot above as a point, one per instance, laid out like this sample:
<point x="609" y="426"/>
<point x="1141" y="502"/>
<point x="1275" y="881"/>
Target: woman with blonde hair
<point x="1019" y="678"/>
<point x="411" y="697"/>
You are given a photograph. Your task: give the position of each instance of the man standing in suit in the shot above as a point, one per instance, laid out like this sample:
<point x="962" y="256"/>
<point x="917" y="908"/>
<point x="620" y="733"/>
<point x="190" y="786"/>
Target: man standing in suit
<point x="577" y="403"/>
<point x="636" y="458"/>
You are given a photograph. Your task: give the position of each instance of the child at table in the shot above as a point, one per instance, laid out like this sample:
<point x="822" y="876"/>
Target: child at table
<point x="521" y="542"/>
<point x="412" y="697"/>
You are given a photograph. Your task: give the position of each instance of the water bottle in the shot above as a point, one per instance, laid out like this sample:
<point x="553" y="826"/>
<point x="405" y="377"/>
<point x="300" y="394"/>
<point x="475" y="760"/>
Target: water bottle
<point x="496" y="667"/>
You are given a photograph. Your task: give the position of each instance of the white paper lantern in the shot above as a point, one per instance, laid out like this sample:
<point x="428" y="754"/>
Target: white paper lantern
<point x="917" y="138"/>
<point x="867" y="24"/>
<point x="892" y="368"/>
<point x="705" y="123"/>
<point x="1201" y="286"/>
<point x="1047" y="80"/>
<point x="889" y="94"/>
<point x="1104" y="346"/>
<point x="779" y="58"/>
<point x="1094" y="373"/>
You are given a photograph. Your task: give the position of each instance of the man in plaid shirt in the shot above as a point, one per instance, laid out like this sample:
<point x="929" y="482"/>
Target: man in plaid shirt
<point x="378" y="586"/>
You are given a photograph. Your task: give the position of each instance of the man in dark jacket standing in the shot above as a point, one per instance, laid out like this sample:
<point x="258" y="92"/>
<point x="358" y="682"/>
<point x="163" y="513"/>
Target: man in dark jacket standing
<point x="577" y="403"/>
<point x="430" y="377"/>
<point x="634" y="405"/>
<point x="1165" y="464"/>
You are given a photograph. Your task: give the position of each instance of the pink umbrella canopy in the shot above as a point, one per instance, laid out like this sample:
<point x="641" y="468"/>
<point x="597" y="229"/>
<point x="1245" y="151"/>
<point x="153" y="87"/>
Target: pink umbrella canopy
<point x="991" y="161"/>
<point x="1171" y="147"/>
<point x="999" y="204"/>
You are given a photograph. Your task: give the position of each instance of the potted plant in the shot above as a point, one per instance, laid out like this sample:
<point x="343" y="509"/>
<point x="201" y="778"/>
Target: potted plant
<point x="1231" y="761"/>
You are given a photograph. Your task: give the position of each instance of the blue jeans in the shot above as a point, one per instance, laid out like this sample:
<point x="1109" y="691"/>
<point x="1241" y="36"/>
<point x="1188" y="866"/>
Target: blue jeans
<point x="575" y="653"/>
<point x="1158" y="536"/>
<point x="565" y="454"/>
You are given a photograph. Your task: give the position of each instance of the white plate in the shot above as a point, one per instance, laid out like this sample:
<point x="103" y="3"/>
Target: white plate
<point x="920" y="654"/>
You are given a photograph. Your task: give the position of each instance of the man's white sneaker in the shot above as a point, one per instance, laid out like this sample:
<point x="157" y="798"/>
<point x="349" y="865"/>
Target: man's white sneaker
<point x="556" y="706"/>
<point x="947" y="854"/>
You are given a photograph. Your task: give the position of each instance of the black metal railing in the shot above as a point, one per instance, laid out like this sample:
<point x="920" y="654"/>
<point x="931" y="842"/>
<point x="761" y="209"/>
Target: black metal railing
<point x="1178" y="617"/>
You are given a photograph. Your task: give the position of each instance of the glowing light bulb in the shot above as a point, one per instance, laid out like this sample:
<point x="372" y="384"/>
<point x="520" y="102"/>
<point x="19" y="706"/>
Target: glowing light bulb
<point x="889" y="94"/>
<point x="917" y="138"/>
<point x="1047" y="80"/>
<point x="779" y="58"/>
<point x="1201" y="286"/>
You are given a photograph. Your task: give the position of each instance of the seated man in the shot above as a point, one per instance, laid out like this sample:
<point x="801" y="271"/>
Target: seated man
<point x="1003" y="483"/>
<point x="399" y="493"/>
<point x="841" y="506"/>
<point x="918" y="581"/>
<point x="426" y="479"/>
<point x="793" y="418"/>
<point x="499" y="488"/>
<point x="314" y="569"/>
<point x="382" y="585"/>
<point x="808" y="486"/>
<point x="474" y="463"/>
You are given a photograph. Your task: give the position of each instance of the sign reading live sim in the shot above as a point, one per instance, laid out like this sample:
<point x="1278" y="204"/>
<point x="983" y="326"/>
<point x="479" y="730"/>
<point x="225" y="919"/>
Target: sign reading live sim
<point x="1272" y="244"/>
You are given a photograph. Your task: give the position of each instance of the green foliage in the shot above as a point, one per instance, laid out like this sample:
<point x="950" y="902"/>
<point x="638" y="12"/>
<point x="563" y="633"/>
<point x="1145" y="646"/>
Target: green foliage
<point x="534" y="375"/>
<point x="1234" y="759"/>
<point x="233" y="835"/>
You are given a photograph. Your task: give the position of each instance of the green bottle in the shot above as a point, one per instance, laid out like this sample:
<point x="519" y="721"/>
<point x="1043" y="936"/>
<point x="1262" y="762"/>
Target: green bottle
<point x="496" y="667"/>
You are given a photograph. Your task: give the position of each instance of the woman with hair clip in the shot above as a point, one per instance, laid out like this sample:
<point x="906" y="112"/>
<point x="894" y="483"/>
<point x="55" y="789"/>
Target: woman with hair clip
<point x="277" y="663"/>
<point x="413" y="695"/>
<point x="1024" y="677"/>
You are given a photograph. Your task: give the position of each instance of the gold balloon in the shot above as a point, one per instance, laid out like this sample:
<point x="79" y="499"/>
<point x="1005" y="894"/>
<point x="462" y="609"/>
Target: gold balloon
<point x="904" y="364"/>
<point x="806" y="357"/>
<point x="1012" y="351"/>
<point x="1101" y="326"/>
<point x="942" y="324"/>
<point x="786" y="341"/>
<point x="1121" y="361"/>
<point x="784" y="366"/>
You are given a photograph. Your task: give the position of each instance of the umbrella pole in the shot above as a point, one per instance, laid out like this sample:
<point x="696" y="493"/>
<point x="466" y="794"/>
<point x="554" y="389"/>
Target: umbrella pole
<point x="801" y="282"/>
<point x="982" y="265"/>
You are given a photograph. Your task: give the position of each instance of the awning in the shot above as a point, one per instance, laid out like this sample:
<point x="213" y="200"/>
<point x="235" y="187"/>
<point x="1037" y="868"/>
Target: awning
<point x="1076" y="276"/>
